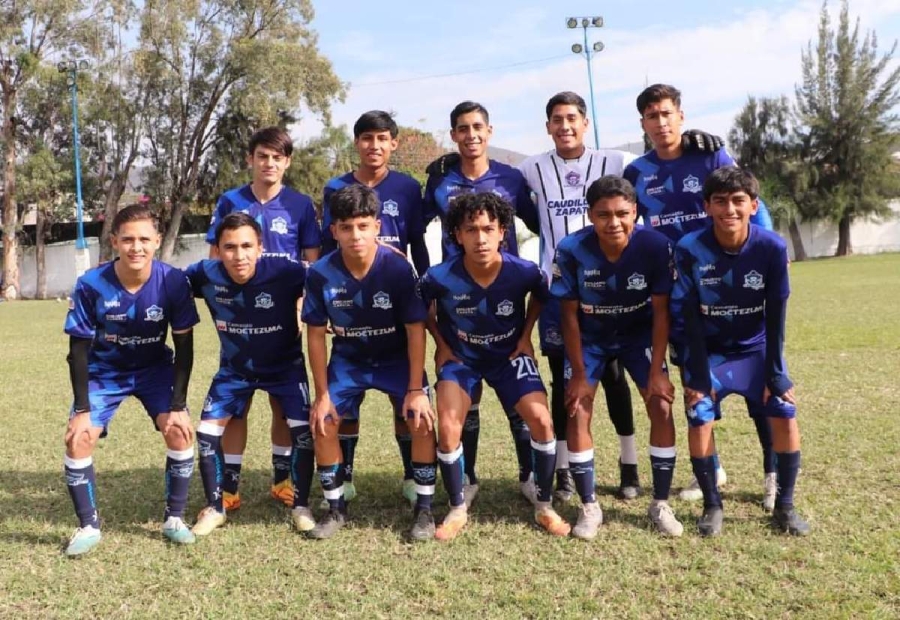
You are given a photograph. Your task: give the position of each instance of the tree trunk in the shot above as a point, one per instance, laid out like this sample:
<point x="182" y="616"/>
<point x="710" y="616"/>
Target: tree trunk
<point x="110" y="208"/>
<point x="9" y="289"/>
<point x="844" y="246"/>
<point x="40" y="254"/>
<point x="170" y="238"/>
<point x="797" y="241"/>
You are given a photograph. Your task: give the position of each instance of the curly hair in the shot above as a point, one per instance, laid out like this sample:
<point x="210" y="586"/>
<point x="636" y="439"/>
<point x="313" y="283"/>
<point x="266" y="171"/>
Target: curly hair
<point x="468" y="206"/>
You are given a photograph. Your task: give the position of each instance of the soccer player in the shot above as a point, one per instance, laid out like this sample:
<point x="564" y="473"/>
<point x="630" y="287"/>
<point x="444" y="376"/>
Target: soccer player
<point x="482" y="328"/>
<point x="117" y="324"/>
<point x="253" y="301"/>
<point x="613" y="283"/>
<point x="449" y="178"/>
<point x="400" y="214"/>
<point x="669" y="185"/>
<point x="287" y="219"/>
<point x="368" y="292"/>
<point x="728" y="306"/>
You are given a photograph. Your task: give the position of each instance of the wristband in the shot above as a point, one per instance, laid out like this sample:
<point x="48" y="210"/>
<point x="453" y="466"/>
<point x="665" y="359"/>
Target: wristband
<point x="411" y="390"/>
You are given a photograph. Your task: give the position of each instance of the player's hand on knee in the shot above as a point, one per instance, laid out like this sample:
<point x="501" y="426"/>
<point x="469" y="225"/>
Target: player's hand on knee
<point x="179" y="422"/>
<point x="418" y="411"/>
<point x="788" y="396"/>
<point x="442" y="355"/>
<point x="692" y="397"/>
<point x="660" y="386"/>
<point x="79" y="430"/>
<point x="322" y="414"/>
<point x="523" y="347"/>
<point x="579" y="396"/>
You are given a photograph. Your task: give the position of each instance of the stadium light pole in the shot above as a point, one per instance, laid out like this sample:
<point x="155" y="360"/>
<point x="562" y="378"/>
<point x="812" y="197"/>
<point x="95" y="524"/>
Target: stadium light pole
<point x="70" y="68"/>
<point x="588" y="51"/>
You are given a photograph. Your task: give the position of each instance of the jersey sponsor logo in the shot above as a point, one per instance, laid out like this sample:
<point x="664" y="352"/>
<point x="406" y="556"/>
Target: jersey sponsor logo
<point x="691" y="184"/>
<point x="221" y="325"/>
<point x="341" y="303"/>
<point x="678" y="217"/>
<point x="505" y="308"/>
<point x="707" y="267"/>
<point x="389" y="239"/>
<point x="390" y="207"/>
<point x="553" y="337"/>
<point x="599" y="285"/>
<point x="117" y="318"/>
<point x="336" y="290"/>
<point x="484" y="339"/>
<point x="653" y="191"/>
<point x="220" y="289"/>
<point x="467" y="310"/>
<point x="571" y="206"/>
<point x="636" y="282"/>
<point x="111" y="303"/>
<point x="137" y="340"/>
<point x="154" y="313"/>
<point x="462" y="297"/>
<point x="279" y="225"/>
<point x="649" y="177"/>
<point x="573" y="178"/>
<point x="754" y="280"/>
<point x="711" y="281"/>
<point x="225" y="301"/>
<point x="363" y="332"/>
<point x="594" y="309"/>
<point x="247" y="329"/>
<point x="654" y="220"/>
<point x="264" y="301"/>
<point x="728" y="311"/>
<point x="382" y="301"/>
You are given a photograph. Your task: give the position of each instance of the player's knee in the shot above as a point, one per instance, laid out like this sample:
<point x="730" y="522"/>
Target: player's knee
<point x="659" y="410"/>
<point x="80" y="446"/>
<point x="177" y="438"/>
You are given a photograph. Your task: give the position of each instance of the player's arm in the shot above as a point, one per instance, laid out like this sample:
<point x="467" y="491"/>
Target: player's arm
<point x="762" y="217"/>
<point x="659" y="384"/>
<point x="416" y="401"/>
<point x="688" y="337"/>
<point x="322" y="406"/>
<point x="183" y="341"/>
<point x="418" y="251"/>
<point x="80" y="422"/>
<point x="442" y="351"/>
<point x="526" y="209"/>
<point x="524" y="346"/>
<point x="777" y="380"/>
<point x="578" y="390"/>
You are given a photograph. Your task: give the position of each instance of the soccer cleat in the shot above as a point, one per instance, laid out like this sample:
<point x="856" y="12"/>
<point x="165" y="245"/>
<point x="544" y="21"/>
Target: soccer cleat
<point x="302" y="518"/>
<point x="693" y="493"/>
<point x="565" y="485"/>
<point x="175" y="530"/>
<point x="283" y="492"/>
<point x="710" y="522"/>
<point x="663" y="518"/>
<point x="549" y="520"/>
<point x="328" y="526"/>
<point x="208" y="520"/>
<point x="529" y="490"/>
<point x="349" y="494"/>
<point x="409" y="491"/>
<point x="470" y="491"/>
<point x="770" y="490"/>
<point x="590" y="517"/>
<point x="83" y="540"/>
<point x="453" y="523"/>
<point x="629" y="484"/>
<point x="423" y="526"/>
<point x="789" y="522"/>
<point x="231" y="501"/>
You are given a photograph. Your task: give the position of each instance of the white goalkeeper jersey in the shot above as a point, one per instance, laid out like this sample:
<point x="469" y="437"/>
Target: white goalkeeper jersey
<point x="560" y="187"/>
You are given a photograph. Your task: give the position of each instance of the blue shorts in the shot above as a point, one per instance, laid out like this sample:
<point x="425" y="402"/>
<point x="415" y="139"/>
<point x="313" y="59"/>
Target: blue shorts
<point x="511" y="381"/>
<point x="230" y="392"/>
<point x="742" y="374"/>
<point x="348" y="382"/>
<point x="550" y="327"/>
<point x="106" y="391"/>
<point x="636" y="360"/>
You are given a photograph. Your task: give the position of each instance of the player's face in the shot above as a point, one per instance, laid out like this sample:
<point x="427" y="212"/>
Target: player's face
<point x="239" y="249"/>
<point x="471" y="135"/>
<point x="613" y="220"/>
<point x="375" y="148"/>
<point x="136" y="244"/>
<point x="357" y="237"/>
<point x="731" y="212"/>
<point x="662" y="122"/>
<point x="267" y="165"/>
<point x="567" y="126"/>
<point x="480" y="237"/>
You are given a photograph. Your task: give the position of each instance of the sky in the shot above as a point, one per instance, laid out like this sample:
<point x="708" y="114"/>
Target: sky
<point x="419" y="59"/>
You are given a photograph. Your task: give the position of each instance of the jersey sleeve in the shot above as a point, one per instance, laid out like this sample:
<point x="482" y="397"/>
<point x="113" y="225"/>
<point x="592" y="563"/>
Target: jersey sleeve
<point x="686" y="332"/>
<point x="308" y="233"/>
<point x="565" y="277"/>
<point x="415" y="225"/>
<point x="429" y="289"/>
<point x="537" y="284"/>
<point x="430" y="208"/>
<point x="314" y="310"/>
<point x="223" y="208"/>
<point x="81" y="320"/>
<point x="181" y="301"/>
<point x="777" y="292"/>
<point x="328" y="242"/>
<point x="722" y="159"/>
<point x="663" y="267"/>
<point x="412" y="308"/>
<point x="762" y="217"/>
<point x="196" y="277"/>
<point x="525" y="207"/>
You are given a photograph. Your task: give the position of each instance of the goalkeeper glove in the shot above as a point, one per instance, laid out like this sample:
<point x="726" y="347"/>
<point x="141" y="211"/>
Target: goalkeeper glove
<point x="440" y="166"/>
<point x="700" y="141"/>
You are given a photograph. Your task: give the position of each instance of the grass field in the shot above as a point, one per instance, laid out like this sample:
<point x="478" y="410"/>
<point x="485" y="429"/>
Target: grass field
<point x="844" y="353"/>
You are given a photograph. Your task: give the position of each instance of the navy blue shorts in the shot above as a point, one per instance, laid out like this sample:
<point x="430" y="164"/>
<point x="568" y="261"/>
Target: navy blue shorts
<point x="550" y="327"/>
<point x="230" y="392"/>
<point x="511" y="381"/>
<point x="635" y="359"/>
<point x="348" y="382"/>
<point x="106" y="391"/>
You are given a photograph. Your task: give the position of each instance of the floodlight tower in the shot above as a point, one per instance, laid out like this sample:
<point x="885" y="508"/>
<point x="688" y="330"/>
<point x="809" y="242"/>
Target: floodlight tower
<point x="71" y="69"/>
<point x="588" y="51"/>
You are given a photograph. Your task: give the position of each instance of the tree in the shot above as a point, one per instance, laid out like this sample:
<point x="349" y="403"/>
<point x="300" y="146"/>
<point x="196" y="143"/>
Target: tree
<point x="320" y="159"/>
<point x="416" y="149"/>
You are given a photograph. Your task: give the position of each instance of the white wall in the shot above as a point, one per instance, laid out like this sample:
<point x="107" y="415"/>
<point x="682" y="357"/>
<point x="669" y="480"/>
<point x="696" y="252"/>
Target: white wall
<point x="866" y="237"/>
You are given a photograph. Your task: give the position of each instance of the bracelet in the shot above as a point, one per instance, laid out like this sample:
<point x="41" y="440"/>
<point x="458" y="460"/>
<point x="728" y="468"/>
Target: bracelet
<point x="411" y="390"/>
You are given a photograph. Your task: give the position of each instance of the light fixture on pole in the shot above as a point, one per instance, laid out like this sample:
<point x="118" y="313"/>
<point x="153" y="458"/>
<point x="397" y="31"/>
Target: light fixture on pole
<point x="71" y="68"/>
<point x="588" y="51"/>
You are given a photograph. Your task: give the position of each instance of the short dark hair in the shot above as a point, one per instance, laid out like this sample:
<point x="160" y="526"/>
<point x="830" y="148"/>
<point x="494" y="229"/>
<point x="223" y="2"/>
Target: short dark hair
<point x="467" y="206"/>
<point x="375" y="120"/>
<point x="353" y="201"/>
<point x="656" y="93"/>
<point x="567" y="97"/>
<point x="610" y="186"/>
<point x="236" y="220"/>
<point x="275" y="138"/>
<point x="464" y="108"/>
<point x="730" y="180"/>
<point x="134" y="213"/>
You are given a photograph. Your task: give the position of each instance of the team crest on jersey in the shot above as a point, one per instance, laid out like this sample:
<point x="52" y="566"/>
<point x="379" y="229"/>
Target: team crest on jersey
<point x="553" y="337"/>
<point x="154" y="313"/>
<point x="390" y="207"/>
<point x="280" y="226"/>
<point x="264" y="301"/>
<point x="636" y="282"/>
<point x="753" y="280"/>
<point x="573" y="178"/>
<point x="505" y="308"/>
<point x="692" y="184"/>
<point x="381" y="300"/>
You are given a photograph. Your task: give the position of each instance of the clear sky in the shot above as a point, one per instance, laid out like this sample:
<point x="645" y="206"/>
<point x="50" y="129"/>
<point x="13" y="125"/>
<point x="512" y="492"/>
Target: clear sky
<point x="512" y="55"/>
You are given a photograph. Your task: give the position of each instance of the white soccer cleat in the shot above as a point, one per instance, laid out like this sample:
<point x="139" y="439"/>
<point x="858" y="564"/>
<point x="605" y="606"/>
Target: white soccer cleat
<point x="693" y="493"/>
<point x="302" y="519"/>
<point x="208" y="520"/>
<point x="529" y="490"/>
<point x="470" y="491"/>
<point x="663" y="518"/>
<point x="590" y="518"/>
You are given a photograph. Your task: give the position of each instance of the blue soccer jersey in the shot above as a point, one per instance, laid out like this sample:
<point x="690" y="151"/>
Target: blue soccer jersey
<point x="482" y="324"/>
<point x="288" y="221"/>
<point x="504" y="181"/>
<point x="670" y="191"/>
<point x="614" y="299"/>
<point x="256" y="321"/>
<point x="128" y="330"/>
<point x="369" y="316"/>
<point x="401" y="209"/>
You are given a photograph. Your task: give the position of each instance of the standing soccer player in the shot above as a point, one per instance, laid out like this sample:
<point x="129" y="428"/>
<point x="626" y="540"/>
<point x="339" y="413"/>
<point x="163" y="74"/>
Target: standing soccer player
<point x="117" y="324"/>
<point x="728" y="306"/>
<point x="401" y="226"/>
<point x="287" y="220"/>
<point x="253" y="301"/>
<point x="453" y="176"/>
<point x="613" y="283"/>
<point x="368" y="292"/>
<point x="669" y="185"/>
<point x="482" y="328"/>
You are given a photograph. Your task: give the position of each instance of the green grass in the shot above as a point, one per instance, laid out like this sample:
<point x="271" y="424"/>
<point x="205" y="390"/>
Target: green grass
<point x="844" y="353"/>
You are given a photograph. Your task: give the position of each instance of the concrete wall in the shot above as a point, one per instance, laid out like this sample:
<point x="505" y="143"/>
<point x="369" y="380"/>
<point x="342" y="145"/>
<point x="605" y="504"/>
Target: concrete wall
<point x="821" y="238"/>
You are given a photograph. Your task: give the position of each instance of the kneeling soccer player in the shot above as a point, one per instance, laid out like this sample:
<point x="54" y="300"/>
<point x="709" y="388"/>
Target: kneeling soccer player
<point x="253" y="301"/>
<point x="117" y="324"/>
<point x="728" y="307"/>
<point x="614" y="281"/>
<point x="369" y="294"/>
<point x="482" y="330"/>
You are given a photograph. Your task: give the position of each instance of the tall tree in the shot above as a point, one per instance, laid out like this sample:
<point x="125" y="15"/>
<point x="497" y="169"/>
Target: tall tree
<point x="416" y="149"/>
